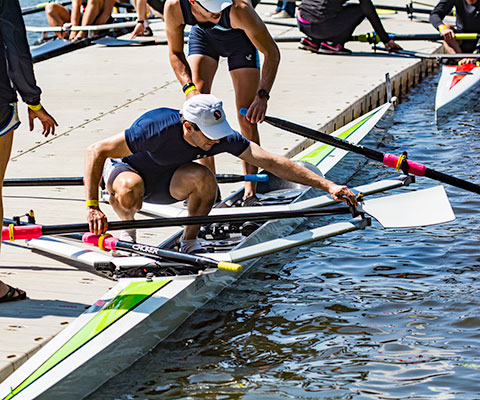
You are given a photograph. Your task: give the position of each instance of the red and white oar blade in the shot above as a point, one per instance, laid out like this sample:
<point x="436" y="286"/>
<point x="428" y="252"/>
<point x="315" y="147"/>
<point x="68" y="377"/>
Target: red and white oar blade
<point x="420" y="208"/>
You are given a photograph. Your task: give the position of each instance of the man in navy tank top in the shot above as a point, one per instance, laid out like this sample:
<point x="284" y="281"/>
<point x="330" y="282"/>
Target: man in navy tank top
<point x="153" y="161"/>
<point x="224" y="28"/>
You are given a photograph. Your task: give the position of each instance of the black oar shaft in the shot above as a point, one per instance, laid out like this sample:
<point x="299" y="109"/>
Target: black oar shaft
<point x="324" y="138"/>
<point x="35" y="231"/>
<point x="67" y="181"/>
<point x="78" y="180"/>
<point x="387" y="159"/>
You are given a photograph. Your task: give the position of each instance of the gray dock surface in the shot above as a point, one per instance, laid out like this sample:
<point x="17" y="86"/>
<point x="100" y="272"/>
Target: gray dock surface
<point x="98" y="91"/>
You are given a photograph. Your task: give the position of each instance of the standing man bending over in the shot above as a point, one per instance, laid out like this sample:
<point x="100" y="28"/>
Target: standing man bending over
<point x="467" y="21"/>
<point x="157" y="165"/>
<point x="224" y="28"/>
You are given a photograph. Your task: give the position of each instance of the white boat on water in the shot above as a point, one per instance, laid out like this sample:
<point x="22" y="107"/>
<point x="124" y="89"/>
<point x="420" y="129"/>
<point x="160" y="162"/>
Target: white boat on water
<point x="140" y="312"/>
<point x="458" y="89"/>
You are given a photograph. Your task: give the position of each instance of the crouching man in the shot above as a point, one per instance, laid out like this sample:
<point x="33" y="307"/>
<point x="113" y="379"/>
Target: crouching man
<point x="153" y="161"/>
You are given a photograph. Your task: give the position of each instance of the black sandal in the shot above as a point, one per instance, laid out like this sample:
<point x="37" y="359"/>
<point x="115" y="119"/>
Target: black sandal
<point x="10" y="296"/>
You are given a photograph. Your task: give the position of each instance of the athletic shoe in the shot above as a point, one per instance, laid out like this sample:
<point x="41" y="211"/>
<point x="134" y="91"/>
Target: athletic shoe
<point x="147" y="31"/>
<point x="251" y="201"/>
<point x="281" y="14"/>
<point x="271" y="13"/>
<point x="308" y="44"/>
<point x="330" y="48"/>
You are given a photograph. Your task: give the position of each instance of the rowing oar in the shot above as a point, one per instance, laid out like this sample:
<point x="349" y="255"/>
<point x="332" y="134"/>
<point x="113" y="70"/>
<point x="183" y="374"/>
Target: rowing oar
<point x="41" y="7"/>
<point x="390" y="160"/>
<point x="79" y="180"/>
<point x="374" y="38"/>
<point x="108" y="242"/>
<point x="419" y="54"/>
<point x="409" y="9"/>
<point x="13" y="232"/>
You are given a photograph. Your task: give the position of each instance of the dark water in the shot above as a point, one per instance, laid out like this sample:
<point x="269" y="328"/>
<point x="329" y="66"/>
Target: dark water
<point x="374" y="314"/>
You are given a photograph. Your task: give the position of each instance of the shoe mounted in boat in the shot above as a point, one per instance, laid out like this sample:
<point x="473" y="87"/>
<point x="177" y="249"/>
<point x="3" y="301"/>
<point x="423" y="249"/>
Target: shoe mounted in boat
<point x="251" y="201"/>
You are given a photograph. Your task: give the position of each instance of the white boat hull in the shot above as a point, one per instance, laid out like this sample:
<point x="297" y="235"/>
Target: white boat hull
<point x="458" y="89"/>
<point x="137" y="313"/>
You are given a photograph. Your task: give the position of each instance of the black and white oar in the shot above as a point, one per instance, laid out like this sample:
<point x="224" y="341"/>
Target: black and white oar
<point x="108" y="242"/>
<point x="390" y="160"/>
<point x="79" y="181"/>
<point x="420" y="208"/>
<point x="13" y="232"/>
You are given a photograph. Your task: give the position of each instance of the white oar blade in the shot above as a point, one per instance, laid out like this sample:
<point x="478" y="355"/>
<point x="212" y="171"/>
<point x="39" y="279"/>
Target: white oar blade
<point x="420" y="208"/>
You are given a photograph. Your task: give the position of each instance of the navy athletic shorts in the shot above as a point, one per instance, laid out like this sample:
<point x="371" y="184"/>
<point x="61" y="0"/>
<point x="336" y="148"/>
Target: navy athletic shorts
<point x="156" y="180"/>
<point x="233" y="44"/>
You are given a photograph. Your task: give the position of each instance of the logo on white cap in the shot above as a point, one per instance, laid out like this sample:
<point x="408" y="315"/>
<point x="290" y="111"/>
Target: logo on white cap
<point x="206" y="111"/>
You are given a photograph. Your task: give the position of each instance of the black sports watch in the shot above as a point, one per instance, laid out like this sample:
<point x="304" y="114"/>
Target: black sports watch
<point x="263" y="94"/>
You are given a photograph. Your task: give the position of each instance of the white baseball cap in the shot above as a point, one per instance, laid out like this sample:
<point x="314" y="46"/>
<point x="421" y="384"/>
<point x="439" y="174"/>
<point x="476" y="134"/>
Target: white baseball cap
<point x="215" y="6"/>
<point x="206" y="111"/>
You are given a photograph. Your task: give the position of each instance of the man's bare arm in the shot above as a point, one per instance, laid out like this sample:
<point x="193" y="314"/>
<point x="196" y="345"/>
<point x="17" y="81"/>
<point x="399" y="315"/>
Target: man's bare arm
<point x="96" y="154"/>
<point x="287" y="169"/>
<point x="75" y="13"/>
<point x="244" y="17"/>
<point x="175" y="28"/>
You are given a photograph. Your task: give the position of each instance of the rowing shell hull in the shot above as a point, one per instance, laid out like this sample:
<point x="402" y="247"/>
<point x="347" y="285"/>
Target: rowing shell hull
<point x="457" y="89"/>
<point x="137" y="314"/>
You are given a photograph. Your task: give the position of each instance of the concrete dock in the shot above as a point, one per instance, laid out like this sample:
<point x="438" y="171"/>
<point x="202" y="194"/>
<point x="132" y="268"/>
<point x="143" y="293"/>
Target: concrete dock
<point x="98" y="91"/>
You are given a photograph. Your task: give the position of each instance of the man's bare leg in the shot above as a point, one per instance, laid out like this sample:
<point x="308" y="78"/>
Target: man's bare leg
<point x="452" y="46"/>
<point x="92" y="11"/>
<point x="245" y="84"/>
<point x="5" y="150"/>
<point x="57" y="15"/>
<point x="197" y="184"/>
<point x="126" y="195"/>
<point x="203" y="71"/>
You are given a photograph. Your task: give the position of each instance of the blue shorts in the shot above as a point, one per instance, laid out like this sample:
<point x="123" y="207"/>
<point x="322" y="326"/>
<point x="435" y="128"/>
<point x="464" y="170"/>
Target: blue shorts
<point x="156" y="180"/>
<point x="8" y="118"/>
<point x="233" y="44"/>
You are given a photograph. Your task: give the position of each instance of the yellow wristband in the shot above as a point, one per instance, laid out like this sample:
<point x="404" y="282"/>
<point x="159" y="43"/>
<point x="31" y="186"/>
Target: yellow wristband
<point x="35" y="107"/>
<point x="188" y="90"/>
<point x="442" y="27"/>
<point x="92" y="203"/>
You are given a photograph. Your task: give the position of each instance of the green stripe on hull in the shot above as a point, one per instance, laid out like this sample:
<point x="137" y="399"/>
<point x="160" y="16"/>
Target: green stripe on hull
<point x="129" y="298"/>
<point x="322" y="152"/>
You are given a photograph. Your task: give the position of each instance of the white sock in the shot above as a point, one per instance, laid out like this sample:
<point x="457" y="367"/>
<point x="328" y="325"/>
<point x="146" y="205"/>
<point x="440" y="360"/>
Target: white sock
<point x="190" y="246"/>
<point x="128" y="235"/>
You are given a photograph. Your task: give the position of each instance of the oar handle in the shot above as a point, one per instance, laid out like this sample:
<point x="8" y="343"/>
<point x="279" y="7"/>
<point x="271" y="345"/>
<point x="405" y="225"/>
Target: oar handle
<point x="230" y="178"/>
<point x="19" y="232"/>
<point x="228" y="266"/>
